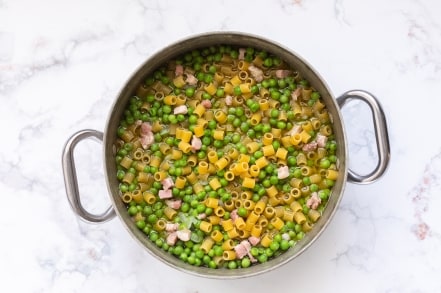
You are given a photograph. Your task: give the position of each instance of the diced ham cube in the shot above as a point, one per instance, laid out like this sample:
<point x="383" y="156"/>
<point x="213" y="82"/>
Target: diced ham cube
<point x="174" y="204"/>
<point x="282" y="73"/>
<point x="196" y="143"/>
<point x="309" y="147"/>
<point x="234" y="215"/>
<point x="242" y="249"/>
<point x="254" y="240"/>
<point x="241" y="53"/>
<point x="314" y="201"/>
<point x="171" y="227"/>
<point x="191" y="79"/>
<point x="182" y="109"/>
<point x="146" y="128"/>
<point x="179" y="70"/>
<point x="147" y="140"/>
<point x="167" y="183"/>
<point x="296" y="94"/>
<point x="228" y="100"/>
<point x="165" y="194"/>
<point x="202" y="216"/>
<point x="321" y="140"/>
<point x="184" y="235"/>
<point x="283" y="172"/>
<point x="294" y="130"/>
<point x="206" y="104"/>
<point x="256" y="73"/>
<point x="172" y="238"/>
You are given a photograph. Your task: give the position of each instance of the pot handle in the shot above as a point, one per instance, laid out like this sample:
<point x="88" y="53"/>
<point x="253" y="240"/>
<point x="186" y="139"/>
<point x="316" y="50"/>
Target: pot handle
<point x="71" y="181"/>
<point x="381" y="135"/>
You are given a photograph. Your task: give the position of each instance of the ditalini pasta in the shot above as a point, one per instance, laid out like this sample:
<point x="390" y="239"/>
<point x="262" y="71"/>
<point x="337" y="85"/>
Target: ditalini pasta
<point x="226" y="157"/>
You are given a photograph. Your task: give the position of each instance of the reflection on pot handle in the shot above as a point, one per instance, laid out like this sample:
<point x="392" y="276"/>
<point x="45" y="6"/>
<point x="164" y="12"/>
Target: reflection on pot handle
<point x="71" y="181"/>
<point x="381" y="135"/>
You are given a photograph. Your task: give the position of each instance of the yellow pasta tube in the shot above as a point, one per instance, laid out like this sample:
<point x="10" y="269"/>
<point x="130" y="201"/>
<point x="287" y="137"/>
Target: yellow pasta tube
<point x="305" y="136"/>
<point x="214" y="183"/>
<point x="233" y="153"/>
<point x="252" y="217"/>
<point x="180" y="182"/>
<point x="255" y="118"/>
<point x="199" y="110"/>
<point x="331" y="174"/>
<point x="197" y="187"/>
<point x="229" y="205"/>
<point x="299" y="218"/>
<point x="192" y="178"/>
<point x="149" y="197"/>
<point x="296" y="139"/>
<point x="179" y="81"/>
<point x="268" y="150"/>
<point x="216" y="235"/>
<point x="243" y="158"/>
<point x="252" y="147"/>
<point x="248" y="182"/>
<point x="254" y="170"/>
<point x="263" y="221"/>
<point x="288" y="215"/>
<point x="261" y="162"/>
<point x="229" y="255"/>
<point x="221" y="164"/>
<point x="281" y="153"/>
<point x="137" y="196"/>
<point x="219" y="211"/>
<point x="256" y="230"/>
<point x="211" y="88"/>
<point x="127" y="197"/>
<point x="184" y="146"/>
<point x="239" y="223"/>
<point x="269" y="212"/>
<point x="218" y="134"/>
<point x="160" y="175"/>
<point x="211" y="202"/>
<point x="126" y="162"/>
<point x="277" y="223"/>
<point x="229" y="176"/>
<point x="214" y="220"/>
<point x="235" y="80"/>
<point x="295" y="206"/>
<point x="314" y="215"/>
<point x="277" y="133"/>
<point x="203" y="167"/>
<point x="207" y="244"/>
<point x="176" y="154"/>
<point x="267" y="239"/>
<point x="128" y="177"/>
<point x="205" y="226"/>
<point x="170" y="100"/>
<point x="272" y="191"/>
<point x="295" y="192"/>
<point x="159" y="225"/>
<point x="212" y="156"/>
<point x="198" y="130"/>
<point x="227" y="224"/>
<point x="228" y="244"/>
<point x="259" y="207"/>
<point x="232" y="233"/>
<point x="267" y="139"/>
<point x="169" y="212"/>
<point x="220" y="116"/>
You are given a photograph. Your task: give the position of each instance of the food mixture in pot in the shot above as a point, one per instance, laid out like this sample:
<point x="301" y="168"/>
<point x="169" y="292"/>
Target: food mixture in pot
<point x="226" y="157"/>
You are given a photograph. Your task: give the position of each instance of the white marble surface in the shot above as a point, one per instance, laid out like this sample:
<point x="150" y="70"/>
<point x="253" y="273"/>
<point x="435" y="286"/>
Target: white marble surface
<point x="63" y="62"/>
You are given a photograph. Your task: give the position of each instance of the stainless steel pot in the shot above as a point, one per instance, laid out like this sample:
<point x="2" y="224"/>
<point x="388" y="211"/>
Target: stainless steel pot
<point x="238" y="39"/>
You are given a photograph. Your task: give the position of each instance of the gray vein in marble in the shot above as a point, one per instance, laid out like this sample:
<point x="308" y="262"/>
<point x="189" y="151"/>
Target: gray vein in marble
<point x="339" y="11"/>
<point x="13" y="75"/>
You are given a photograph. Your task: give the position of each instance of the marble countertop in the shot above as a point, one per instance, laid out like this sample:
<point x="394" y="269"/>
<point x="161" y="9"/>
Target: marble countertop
<point x="62" y="64"/>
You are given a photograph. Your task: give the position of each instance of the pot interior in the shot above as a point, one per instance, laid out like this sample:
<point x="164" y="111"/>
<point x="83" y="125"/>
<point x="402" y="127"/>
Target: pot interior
<point x="202" y="41"/>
